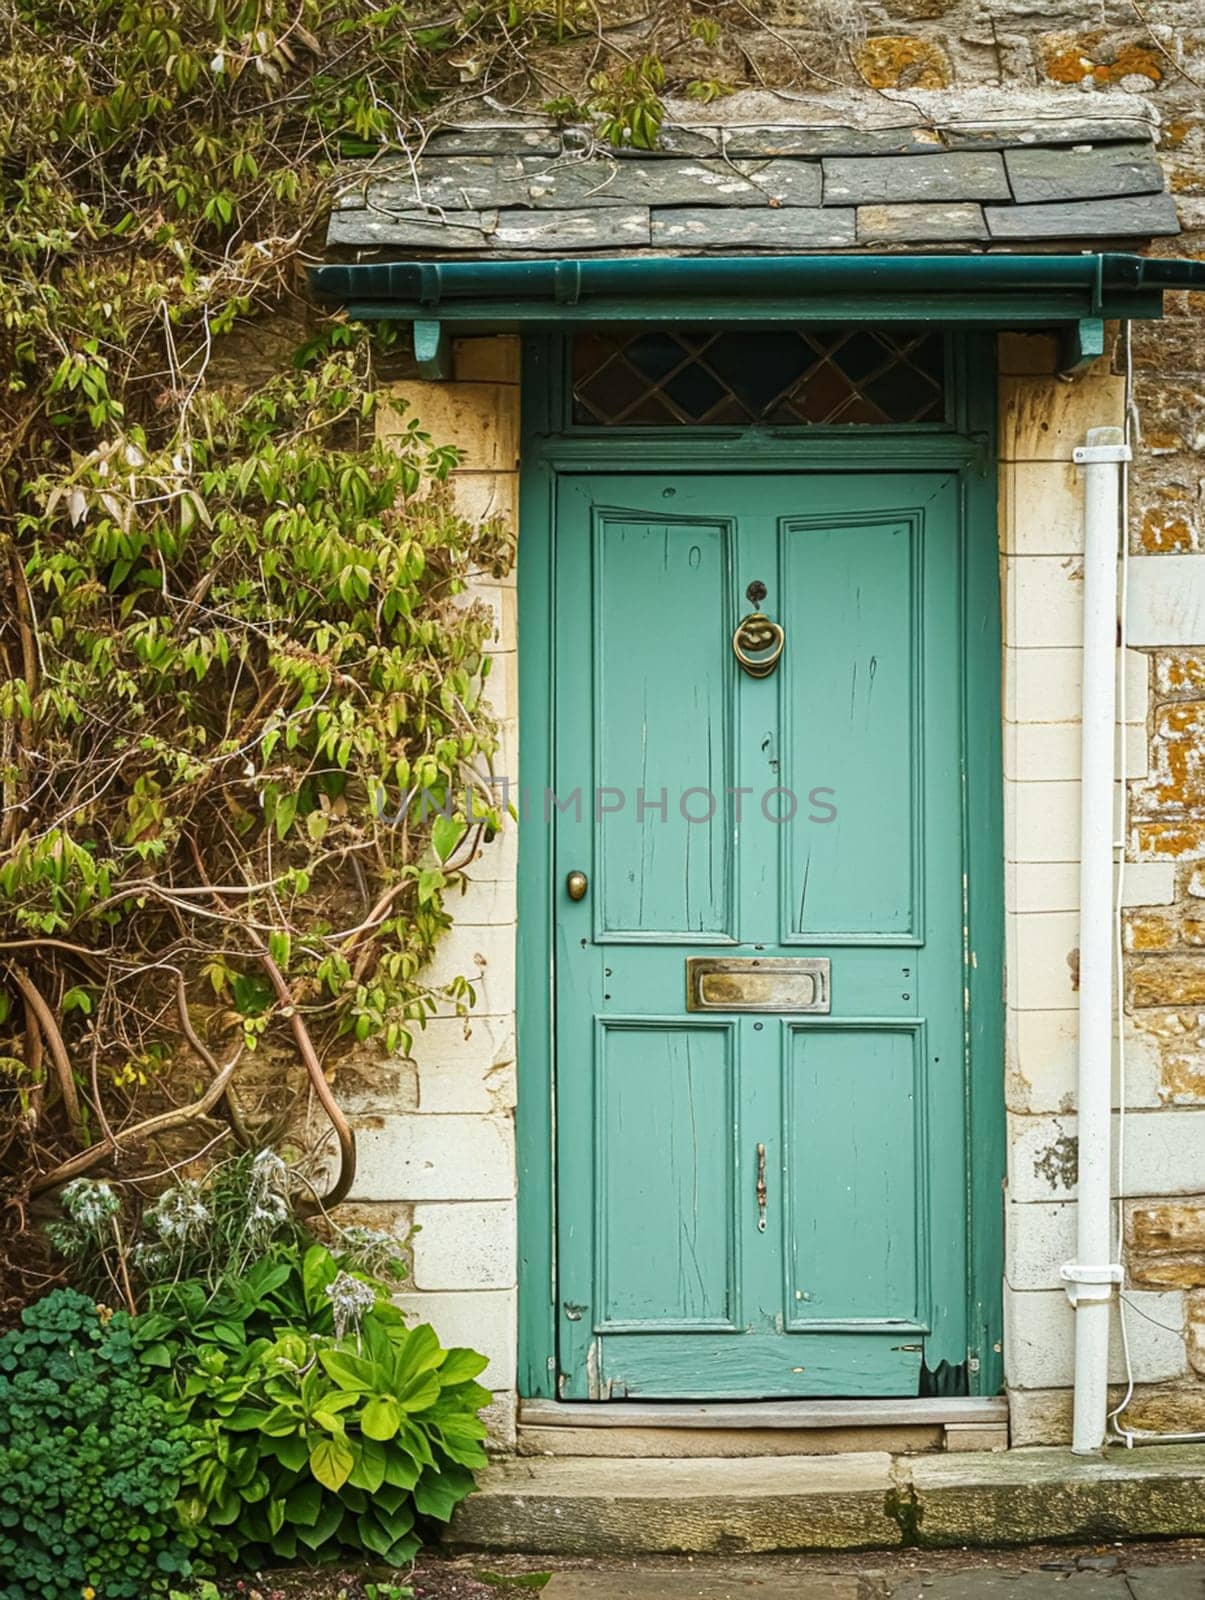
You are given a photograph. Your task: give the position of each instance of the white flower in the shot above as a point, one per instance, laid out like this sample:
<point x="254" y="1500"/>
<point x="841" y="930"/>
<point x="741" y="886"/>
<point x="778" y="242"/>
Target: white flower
<point x="179" y="1214"/>
<point x="268" y="1170"/>
<point x="89" y="1204"/>
<point x="350" y="1299"/>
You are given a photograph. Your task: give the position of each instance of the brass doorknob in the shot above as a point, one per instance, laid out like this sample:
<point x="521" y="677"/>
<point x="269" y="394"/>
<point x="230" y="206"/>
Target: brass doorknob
<point x="576" y="885"/>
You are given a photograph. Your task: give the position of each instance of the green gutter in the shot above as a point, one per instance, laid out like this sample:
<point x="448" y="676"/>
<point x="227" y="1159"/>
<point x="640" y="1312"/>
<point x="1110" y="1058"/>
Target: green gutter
<point x="996" y="290"/>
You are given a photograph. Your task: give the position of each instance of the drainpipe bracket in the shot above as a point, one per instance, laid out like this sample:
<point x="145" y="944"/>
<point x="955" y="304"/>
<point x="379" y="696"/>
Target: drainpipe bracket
<point x="1085" y="455"/>
<point x="1089" y="1283"/>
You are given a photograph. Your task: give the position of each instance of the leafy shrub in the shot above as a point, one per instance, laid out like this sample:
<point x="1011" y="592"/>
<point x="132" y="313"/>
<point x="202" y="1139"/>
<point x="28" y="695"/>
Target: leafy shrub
<point x="323" y="1424"/>
<point x="90" y="1459"/>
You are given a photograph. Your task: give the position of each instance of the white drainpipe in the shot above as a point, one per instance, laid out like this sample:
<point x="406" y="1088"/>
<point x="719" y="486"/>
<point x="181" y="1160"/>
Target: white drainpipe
<point x="1090" y="1278"/>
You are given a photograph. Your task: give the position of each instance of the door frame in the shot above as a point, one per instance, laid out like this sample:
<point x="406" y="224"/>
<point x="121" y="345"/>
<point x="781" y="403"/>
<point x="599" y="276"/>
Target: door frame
<point x="967" y="444"/>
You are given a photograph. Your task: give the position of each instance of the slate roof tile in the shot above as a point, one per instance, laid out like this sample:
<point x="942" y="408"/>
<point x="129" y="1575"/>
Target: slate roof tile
<point x="1144" y="215"/>
<point x="921" y="224"/>
<point x="1082" y="172"/>
<point x="943" y="175"/>
<point x="526" y="187"/>
<point x="761" y="228"/>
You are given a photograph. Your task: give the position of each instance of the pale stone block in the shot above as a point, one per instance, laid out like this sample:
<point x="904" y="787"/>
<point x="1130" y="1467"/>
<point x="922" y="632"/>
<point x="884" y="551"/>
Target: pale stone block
<point x="459" y="1086"/>
<point x="1044" y="599"/>
<point x="501" y="1418"/>
<point x="506" y="764"/>
<point x="501" y="687"/>
<point x="467" y="1245"/>
<point x="1049" y="752"/>
<point x="1042" y="821"/>
<point x="415" y="1156"/>
<point x="483" y="955"/>
<point x="1041" y="508"/>
<point x="484" y="1320"/>
<point x="1039" y="1416"/>
<point x="1054" y="885"/>
<point x="495" y="359"/>
<point x="502" y="600"/>
<point x="1039" y="1338"/>
<point x="1165" y="1152"/>
<point x="484" y="496"/>
<point x="496" y="860"/>
<point x="1042" y="1156"/>
<point x="1166" y="600"/>
<point x="1028" y="354"/>
<point x="465" y="1064"/>
<point x="1149" y="883"/>
<point x="1041" y="949"/>
<point x="1046" y="686"/>
<point x="1042" y="1052"/>
<point x="1044" y="421"/>
<point x="482" y="903"/>
<point x="1042" y="685"/>
<point x="480" y="419"/>
<point x="1137" y="686"/>
<point x="1038" y="1240"/>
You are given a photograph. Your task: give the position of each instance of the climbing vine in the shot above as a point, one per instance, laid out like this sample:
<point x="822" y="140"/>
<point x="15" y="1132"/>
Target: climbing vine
<point x="234" y="643"/>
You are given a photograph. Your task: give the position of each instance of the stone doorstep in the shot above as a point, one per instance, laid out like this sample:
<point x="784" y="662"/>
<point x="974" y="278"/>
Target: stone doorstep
<point x="760" y="1428"/>
<point x="600" y="1505"/>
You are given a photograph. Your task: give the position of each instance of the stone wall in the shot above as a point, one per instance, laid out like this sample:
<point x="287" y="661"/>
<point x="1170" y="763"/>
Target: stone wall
<point x="447" y="1149"/>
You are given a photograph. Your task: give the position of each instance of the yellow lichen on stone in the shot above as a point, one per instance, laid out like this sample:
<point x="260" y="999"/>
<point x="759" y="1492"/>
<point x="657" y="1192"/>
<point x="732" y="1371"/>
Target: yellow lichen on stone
<point x="1147" y="931"/>
<point x="1179" y="672"/>
<point x="1164" y="530"/>
<point x="1094" y="58"/>
<point x="903" y="62"/>
<point x="1169" y="841"/>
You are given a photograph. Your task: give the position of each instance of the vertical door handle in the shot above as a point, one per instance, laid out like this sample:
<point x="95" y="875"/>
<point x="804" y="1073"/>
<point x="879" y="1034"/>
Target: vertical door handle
<point x="761" y="1188"/>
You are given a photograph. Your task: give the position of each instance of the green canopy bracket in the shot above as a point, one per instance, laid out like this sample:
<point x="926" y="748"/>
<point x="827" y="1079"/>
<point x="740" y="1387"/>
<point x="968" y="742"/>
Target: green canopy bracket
<point x="1083" y="343"/>
<point x="432" y="349"/>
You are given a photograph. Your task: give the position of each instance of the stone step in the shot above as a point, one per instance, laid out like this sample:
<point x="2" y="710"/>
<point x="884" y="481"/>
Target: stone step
<point x="603" y="1505"/>
<point x="632" y="1429"/>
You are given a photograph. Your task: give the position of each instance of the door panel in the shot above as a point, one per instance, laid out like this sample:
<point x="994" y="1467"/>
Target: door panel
<point x="665" y="1099"/>
<point x="758" y="1204"/>
<point x="864" y="1194"/>
<point x="849" y="695"/>
<point x="656" y="669"/>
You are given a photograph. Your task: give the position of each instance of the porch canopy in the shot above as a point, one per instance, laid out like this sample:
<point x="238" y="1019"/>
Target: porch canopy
<point x="974" y="214"/>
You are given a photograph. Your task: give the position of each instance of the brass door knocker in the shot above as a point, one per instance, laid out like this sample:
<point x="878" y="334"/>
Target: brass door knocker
<point x="757" y="643"/>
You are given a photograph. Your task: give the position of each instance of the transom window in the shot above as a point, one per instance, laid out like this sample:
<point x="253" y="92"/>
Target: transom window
<point x="757" y="377"/>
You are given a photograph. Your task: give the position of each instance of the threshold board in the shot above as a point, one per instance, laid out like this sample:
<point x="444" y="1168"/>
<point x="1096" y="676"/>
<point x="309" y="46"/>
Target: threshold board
<point x="749" y="1415"/>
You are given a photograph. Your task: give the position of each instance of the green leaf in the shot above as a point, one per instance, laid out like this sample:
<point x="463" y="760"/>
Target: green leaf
<point x="437" y="1494"/>
<point x="352" y="1373"/>
<point x="446" y="834"/>
<point x="318" y="1269"/>
<point x="461" y="1365"/>
<point x="243" y="1418"/>
<point x="303" y="1503"/>
<point x="291" y="1451"/>
<point x="372" y="1536"/>
<point x="381" y="1417"/>
<point x="331" y="1461"/>
<point x="325" y="1524"/>
<point x="369" y="1470"/>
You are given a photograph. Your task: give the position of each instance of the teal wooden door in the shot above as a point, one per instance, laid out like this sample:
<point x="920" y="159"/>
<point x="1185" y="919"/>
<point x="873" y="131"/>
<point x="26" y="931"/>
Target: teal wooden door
<point x="759" y="1204"/>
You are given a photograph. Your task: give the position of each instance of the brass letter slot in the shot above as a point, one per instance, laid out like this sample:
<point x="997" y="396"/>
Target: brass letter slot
<point x="757" y="983"/>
